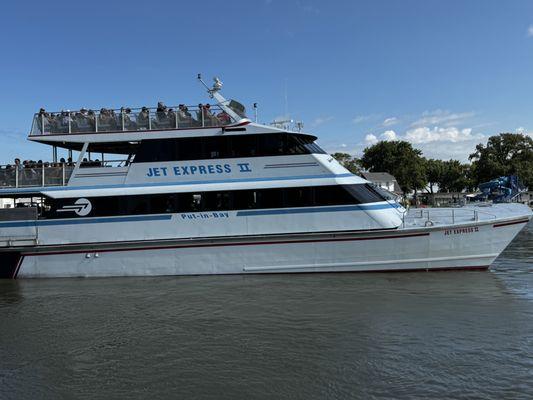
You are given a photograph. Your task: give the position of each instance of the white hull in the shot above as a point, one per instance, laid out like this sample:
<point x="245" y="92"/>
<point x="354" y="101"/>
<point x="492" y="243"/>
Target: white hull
<point x="473" y="245"/>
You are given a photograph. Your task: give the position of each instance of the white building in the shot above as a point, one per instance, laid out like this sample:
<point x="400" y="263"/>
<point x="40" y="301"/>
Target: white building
<point x="383" y="180"/>
<point x="6" y="203"/>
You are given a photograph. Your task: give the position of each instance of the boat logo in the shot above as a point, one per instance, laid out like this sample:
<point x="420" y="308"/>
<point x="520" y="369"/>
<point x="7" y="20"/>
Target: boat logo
<point x="81" y="207"/>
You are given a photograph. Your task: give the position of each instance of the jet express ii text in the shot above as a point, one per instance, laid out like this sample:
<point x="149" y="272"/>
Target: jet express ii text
<point x="209" y="169"/>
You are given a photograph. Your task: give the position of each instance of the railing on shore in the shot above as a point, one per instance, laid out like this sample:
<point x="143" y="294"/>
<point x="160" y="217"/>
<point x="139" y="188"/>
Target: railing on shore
<point x="129" y="119"/>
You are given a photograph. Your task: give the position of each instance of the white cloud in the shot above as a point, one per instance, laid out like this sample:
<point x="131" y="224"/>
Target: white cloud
<point x="443" y="150"/>
<point x="523" y="131"/>
<point x="530" y="31"/>
<point x="442" y="117"/>
<point x="364" y="118"/>
<point x="389" y="135"/>
<point x="320" y="121"/>
<point x="452" y="134"/>
<point x="371" y="139"/>
<point x="390" y="121"/>
<point x="344" y="145"/>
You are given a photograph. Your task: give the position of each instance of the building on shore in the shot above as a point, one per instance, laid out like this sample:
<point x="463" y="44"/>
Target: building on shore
<point x="444" y="199"/>
<point x="383" y="180"/>
<point x="6" y="203"/>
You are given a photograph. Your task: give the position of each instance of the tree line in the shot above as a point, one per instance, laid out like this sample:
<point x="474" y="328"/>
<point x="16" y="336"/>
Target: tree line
<point x="503" y="154"/>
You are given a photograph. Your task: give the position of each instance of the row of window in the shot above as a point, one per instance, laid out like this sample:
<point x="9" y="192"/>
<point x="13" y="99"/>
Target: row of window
<point x="230" y="146"/>
<point x="222" y="201"/>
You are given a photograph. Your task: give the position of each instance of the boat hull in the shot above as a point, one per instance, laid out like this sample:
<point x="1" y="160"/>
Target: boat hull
<point x="474" y="245"/>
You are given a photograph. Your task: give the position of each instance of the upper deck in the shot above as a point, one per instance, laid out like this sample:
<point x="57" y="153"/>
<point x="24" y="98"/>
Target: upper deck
<point x="143" y="119"/>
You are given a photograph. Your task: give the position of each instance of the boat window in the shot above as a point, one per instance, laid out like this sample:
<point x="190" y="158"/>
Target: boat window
<point x="232" y="146"/>
<point x="363" y="193"/>
<point x="384" y="193"/>
<point x="333" y="195"/>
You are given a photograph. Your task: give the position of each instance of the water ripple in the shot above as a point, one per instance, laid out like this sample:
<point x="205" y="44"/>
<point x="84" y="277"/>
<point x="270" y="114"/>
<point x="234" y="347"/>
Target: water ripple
<point x="456" y="335"/>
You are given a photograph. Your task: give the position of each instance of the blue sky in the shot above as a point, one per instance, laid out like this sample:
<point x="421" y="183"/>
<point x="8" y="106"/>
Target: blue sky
<point x="444" y="75"/>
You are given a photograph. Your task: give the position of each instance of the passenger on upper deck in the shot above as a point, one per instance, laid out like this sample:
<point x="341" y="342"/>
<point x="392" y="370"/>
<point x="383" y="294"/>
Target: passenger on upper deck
<point x="185" y="118"/>
<point x="129" y="125"/>
<point x="106" y="120"/>
<point x="206" y="117"/>
<point x="63" y="122"/>
<point x="80" y="121"/>
<point x="91" y="120"/>
<point x="224" y="118"/>
<point x="43" y="121"/>
<point x="171" y="115"/>
<point x="142" y="118"/>
<point x="161" y="120"/>
<point x="53" y="120"/>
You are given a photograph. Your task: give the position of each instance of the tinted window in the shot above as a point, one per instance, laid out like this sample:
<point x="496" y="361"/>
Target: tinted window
<point x="225" y="200"/>
<point x="213" y="147"/>
<point x="363" y="193"/>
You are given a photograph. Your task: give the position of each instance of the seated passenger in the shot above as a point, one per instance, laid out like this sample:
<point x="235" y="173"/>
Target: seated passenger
<point x="142" y="118"/>
<point x="129" y="125"/>
<point x="200" y="115"/>
<point x="106" y="120"/>
<point x="171" y="116"/>
<point x="208" y="118"/>
<point x="113" y="119"/>
<point x="54" y="123"/>
<point x="43" y="121"/>
<point x="224" y="118"/>
<point x="161" y="120"/>
<point x="80" y="121"/>
<point x="63" y="122"/>
<point x="91" y="120"/>
<point x="184" y="116"/>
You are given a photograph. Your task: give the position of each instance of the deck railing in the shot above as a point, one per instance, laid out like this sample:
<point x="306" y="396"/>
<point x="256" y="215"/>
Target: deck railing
<point x="430" y="216"/>
<point x="38" y="175"/>
<point x="128" y="119"/>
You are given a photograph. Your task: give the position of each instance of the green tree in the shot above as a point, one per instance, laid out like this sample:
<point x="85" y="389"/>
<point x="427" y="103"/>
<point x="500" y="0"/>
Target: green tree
<point x="504" y="154"/>
<point x="349" y="162"/>
<point x="455" y="177"/>
<point x="400" y="159"/>
<point x="434" y="173"/>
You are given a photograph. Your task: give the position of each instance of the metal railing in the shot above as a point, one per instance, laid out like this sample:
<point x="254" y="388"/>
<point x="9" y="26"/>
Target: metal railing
<point x="35" y="175"/>
<point x="430" y="216"/>
<point x="129" y="119"/>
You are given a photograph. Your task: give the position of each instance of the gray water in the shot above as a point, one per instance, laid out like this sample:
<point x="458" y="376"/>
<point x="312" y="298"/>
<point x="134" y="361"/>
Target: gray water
<point x="457" y="335"/>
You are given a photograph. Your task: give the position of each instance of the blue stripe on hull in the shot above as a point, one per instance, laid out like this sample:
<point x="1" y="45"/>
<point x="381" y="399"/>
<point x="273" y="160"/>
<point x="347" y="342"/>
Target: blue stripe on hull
<point x="78" y="221"/>
<point x="166" y="217"/>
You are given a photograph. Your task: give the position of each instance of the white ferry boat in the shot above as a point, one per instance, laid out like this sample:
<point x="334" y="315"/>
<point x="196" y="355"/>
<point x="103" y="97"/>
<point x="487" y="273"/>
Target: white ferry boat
<point x="204" y="190"/>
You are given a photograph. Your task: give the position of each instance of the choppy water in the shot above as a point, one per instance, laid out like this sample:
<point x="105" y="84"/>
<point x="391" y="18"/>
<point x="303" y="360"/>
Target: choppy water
<point x="458" y="335"/>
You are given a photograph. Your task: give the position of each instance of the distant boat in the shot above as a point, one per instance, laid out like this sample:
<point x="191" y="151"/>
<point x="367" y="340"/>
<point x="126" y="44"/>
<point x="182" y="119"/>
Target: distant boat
<point x="204" y="190"/>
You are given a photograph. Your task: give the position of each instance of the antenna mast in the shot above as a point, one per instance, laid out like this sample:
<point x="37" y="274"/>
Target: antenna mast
<point x="214" y="93"/>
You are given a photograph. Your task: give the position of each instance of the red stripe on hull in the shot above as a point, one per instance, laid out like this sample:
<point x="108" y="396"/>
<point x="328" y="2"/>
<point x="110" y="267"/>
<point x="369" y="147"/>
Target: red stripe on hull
<point x="523" y="221"/>
<point x="226" y="244"/>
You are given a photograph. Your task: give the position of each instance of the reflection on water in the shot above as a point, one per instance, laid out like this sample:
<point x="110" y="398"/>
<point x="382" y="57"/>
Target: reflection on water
<point x="401" y="335"/>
